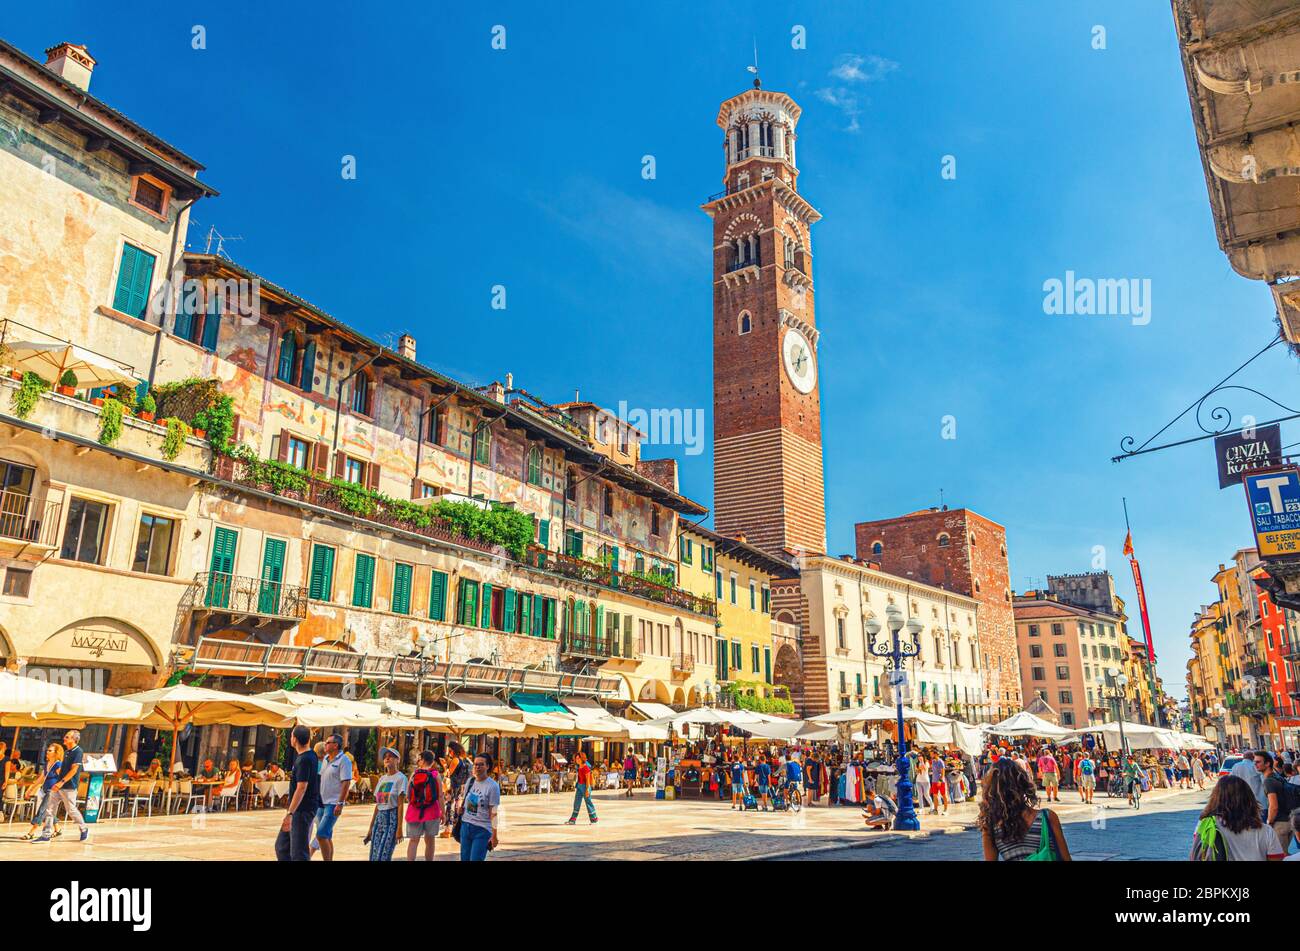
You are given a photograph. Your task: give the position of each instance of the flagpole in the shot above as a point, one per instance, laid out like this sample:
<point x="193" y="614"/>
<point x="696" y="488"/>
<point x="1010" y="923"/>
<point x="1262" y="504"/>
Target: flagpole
<point x="1142" y="607"/>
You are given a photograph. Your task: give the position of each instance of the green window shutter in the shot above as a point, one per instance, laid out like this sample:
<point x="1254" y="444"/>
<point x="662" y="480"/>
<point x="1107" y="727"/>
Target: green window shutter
<point x="717" y="576"/>
<point x="525" y="613"/>
<point x="401" y="589"/>
<point x="549" y="610"/>
<point x="539" y="618"/>
<point x="363" y="582"/>
<point x="307" y="376"/>
<point x="468" y="603"/>
<point x="268" y="596"/>
<point x="600" y="620"/>
<point x="222" y="567"/>
<point x="211" y="324"/>
<point x="686" y="551"/>
<point x="487" y="606"/>
<point x="767" y="668"/>
<point x="508" y="611"/>
<point x="544" y="533"/>
<point x="321" y="584"/>
<point x="133" y="280"/>
<point x="438" y="596"/>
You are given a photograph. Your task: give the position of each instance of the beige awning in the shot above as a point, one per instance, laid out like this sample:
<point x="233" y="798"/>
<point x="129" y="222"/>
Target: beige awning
<point x="51" y="360"/>
<point x="535" y="724"/>
<point x="34" y="701"/>
<point x="460" y="722"/>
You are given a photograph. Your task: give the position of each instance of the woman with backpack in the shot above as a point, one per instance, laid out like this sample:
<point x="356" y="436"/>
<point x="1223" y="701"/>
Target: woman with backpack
<point x="1231" y="830"/>
<point x="423" y="808"/>
<point x="1012" y="826"/>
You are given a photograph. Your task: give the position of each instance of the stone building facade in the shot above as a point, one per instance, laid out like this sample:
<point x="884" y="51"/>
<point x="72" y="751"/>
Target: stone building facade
<point x="964" y="552"/>
<point x="309" y="546"/>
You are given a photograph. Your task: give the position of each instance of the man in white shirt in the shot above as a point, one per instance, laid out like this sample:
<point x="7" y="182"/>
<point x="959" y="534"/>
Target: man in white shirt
<point x="1254" y="779"/>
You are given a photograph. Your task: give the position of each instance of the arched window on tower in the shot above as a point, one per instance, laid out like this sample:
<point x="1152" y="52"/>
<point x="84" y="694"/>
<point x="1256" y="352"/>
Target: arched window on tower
<point x="943" y="540"/>
<point x="877" y="548"/>
<point x="742" y="140"/>
<point x="746" y="324"/>
<point x="765" y="139"/>
<point x="742" y="181"/>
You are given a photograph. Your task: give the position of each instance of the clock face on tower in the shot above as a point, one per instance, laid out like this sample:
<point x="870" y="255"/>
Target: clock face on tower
<point x="800" y="362"/>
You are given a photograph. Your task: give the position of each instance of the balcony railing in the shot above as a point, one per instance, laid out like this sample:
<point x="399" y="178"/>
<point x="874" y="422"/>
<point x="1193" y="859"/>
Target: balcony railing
<point x="25" y="520"/>
<point x="684" y="662"/>
<point x="324" y="494"/>
<point x="580" y="569"/>
<point x="586" y="645"/>
<point x="237" y="594"/>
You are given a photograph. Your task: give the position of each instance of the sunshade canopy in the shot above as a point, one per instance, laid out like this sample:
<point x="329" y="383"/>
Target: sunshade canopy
<point x="460" y="722"/>
<point x="1026" y="724"/>
<point x="51" y="360"/>
<point x="180" y="704"/>
<point x="33" y="701"/>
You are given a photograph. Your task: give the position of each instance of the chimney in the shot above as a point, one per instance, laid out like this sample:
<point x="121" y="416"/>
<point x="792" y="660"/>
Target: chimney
<point x="510" y="382"/>
<point x="496" y="391"/>
<point x="406" y="346"/>
<point x="74" y="63"/>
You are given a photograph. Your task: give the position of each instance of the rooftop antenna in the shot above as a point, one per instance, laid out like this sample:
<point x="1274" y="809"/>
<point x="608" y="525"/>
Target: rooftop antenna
<point x="221" y="240"/>
<point x="942" y="507"/>
<point x="754" y="69"/>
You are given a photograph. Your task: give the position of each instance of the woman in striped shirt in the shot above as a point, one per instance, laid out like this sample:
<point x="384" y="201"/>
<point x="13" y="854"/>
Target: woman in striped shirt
<point x="1010" y="820"/>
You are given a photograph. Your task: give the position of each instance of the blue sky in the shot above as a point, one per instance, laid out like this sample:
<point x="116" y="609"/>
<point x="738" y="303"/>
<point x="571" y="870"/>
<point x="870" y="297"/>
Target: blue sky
<point x="522" y="168"/>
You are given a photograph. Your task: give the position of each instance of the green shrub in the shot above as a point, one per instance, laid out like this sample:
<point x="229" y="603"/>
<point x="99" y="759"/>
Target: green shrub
<point x="68" y="379"/>
<point x="110" y="421"/>
<point x="28" y="394"/>
<point x="177" y="432"/>
<point x="148" y="404"/>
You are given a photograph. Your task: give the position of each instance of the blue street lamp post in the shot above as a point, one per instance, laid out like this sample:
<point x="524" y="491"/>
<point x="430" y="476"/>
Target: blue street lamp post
<point x="894" y="654"/>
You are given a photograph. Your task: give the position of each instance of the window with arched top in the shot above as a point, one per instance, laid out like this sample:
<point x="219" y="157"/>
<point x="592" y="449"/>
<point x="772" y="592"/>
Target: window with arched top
<point x="288" y="358"/>
<point x="877" y="548"/>
<point x="742" y="180"/>
<point x="534" y="466"/>
<point x="746" y="323"/>
<point x="361" y="392"/>
<point x="944" y="540"/>
<point x="483" y="446"/>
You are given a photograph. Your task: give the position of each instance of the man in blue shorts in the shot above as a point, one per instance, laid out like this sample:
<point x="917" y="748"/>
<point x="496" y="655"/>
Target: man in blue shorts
<point x="794" y="775"/>
<point x="764" y="774"/>
<point x="737" y="784"/>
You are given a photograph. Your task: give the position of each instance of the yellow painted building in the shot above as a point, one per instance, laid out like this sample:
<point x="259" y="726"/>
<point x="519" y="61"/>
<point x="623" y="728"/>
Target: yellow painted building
<point x="754" y="654"/>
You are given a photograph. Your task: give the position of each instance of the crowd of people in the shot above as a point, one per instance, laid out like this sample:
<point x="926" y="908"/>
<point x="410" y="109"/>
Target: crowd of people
<point x="1253" y="813"/>
<point x="454" y="796"/>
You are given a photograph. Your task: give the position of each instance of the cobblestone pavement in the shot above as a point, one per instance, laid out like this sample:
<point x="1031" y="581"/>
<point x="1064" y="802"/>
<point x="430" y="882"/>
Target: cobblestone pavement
<point x="533" y="827"/>
<point x="1160" y="830"/>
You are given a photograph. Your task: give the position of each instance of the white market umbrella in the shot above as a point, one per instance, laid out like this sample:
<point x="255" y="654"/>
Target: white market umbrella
<point x="871" y="713"/>
<point x="51" y="360"/>
<point x="181" y="705"/>
<point x="34" y="701"/>
<point x="460" y="722"/>
<point x="1137" y="736"/>
<point x="1026" y="724"/>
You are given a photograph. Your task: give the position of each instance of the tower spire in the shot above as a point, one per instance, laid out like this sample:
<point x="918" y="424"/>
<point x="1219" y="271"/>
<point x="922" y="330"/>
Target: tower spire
<point x="758" y="83"/>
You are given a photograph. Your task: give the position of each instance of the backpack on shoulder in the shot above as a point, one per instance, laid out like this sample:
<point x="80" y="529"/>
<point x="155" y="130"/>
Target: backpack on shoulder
<point x="426" y="793"/>
<point x="1208" y="845"/>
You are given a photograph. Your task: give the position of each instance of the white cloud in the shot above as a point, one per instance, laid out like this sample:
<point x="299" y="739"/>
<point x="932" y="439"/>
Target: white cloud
<point x="851" y="69"/>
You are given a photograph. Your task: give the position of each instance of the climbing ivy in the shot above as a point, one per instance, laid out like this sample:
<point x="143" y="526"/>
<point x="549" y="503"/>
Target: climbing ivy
<point x="28" y="393"/>
<point x="110" y="421"/>
<point x="177" y="433"/>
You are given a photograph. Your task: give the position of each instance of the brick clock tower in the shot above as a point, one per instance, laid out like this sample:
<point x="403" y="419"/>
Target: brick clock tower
<point x="767" y="444"/>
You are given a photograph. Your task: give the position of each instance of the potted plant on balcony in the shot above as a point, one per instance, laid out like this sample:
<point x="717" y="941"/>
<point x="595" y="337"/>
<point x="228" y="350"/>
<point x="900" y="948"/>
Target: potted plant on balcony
<point x="174" y="440"/>
<point x="67" y="383"/>
<point x="110" y="422"/>
<point x="28" y="393"/>
<point x="148" y="407"/>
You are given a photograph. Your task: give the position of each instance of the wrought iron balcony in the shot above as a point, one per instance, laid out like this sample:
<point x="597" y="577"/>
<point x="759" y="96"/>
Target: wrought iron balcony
<point x="217" y="591"/>
<point x="684" y="663"/>
<point x="593" y="572"/>
<point x="26" y="521"/>
<point x="586" y="645"/>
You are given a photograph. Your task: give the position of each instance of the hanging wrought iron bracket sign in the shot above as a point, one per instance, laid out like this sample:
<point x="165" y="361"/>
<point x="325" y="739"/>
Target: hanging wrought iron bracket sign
<point x="1213" y="422"/>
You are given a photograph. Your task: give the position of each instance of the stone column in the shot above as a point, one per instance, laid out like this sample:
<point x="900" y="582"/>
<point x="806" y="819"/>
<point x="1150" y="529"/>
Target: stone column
<point x="754" y="137"/>
<point x="778" y="140"/>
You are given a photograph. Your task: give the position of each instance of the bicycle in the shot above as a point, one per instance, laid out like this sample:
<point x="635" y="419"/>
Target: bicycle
<point x="792" y="795"/>
<point x="1134" y="791"/>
